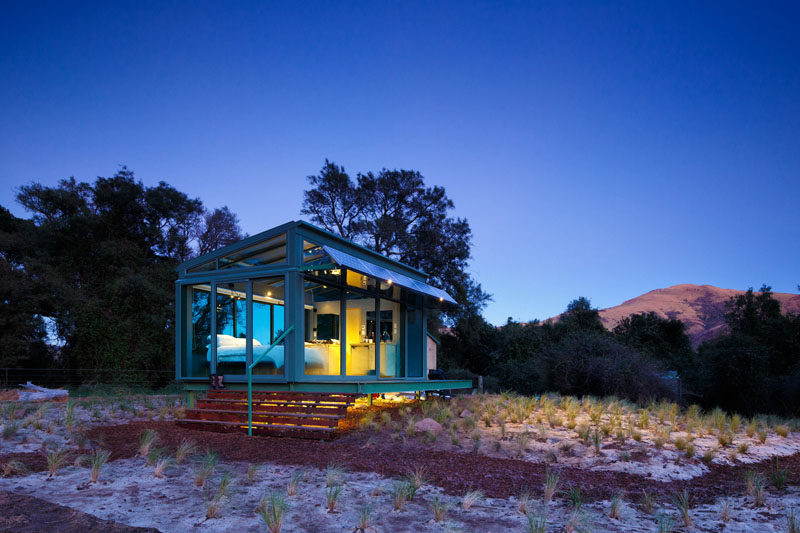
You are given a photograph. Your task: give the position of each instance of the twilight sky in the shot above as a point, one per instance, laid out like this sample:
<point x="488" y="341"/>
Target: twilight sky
<point x="598" y="151"/>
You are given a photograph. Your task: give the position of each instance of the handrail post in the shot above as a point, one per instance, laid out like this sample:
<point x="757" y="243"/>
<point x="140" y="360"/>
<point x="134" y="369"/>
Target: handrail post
<point x="250" y="378"/>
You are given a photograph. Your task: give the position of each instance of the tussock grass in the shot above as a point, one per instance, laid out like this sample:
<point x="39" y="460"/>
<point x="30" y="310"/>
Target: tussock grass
<point x="616" y="502"/>
<point x="294" y="482"/>
<point x="439" y="508"/>
<point x="161" y="465"/>
<point x="683" y="504"/>
<point x="146" y="441"/>
<point x="471" y="498"/>
<point x="778" y="475"/>
<point x="55" y="460"/>
<point x="273" y="511"/>
<point x="648" y="501"/>
<point x="332" y="494"/>
<point x="98" y="460"/>
<point x="550" y="485"/>
<point x="185" y="449"/>
<point x="334" y="475"/>
<point x="536" y="523"/>
<point x="399" y="494"/>
<point x="205" y="469"/>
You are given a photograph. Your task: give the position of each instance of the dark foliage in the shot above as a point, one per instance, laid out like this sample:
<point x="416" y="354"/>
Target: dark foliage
<point x="98" y="260"/>
<point x="395" y="214"/>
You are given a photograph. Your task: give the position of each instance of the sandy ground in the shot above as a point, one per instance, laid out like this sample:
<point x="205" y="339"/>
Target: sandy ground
<point x="129" y="493"/>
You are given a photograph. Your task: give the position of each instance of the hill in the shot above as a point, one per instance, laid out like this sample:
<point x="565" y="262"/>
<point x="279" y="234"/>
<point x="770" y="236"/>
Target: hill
<point x="700" y="307"/>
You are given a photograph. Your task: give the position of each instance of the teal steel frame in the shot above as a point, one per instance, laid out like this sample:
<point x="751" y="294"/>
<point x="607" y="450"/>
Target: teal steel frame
<point x="294" y="272"/>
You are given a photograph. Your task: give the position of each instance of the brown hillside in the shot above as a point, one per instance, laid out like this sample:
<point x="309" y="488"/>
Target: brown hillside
<point x="700" y="307"/>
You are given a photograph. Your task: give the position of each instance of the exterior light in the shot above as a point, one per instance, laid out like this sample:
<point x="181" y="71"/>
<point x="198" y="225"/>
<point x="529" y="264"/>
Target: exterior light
<point x="441" y="299"/>
<point x="269" y="293"/>
<point x="389" y="281"/>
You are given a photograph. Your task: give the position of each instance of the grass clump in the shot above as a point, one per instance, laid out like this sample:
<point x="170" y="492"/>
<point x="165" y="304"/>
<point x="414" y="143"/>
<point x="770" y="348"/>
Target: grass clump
<point x="334" y="475"/>
<point x="55" y="460"/>
<point x="161" y="464"/>
<point x="778" y="475"/>
<point x="439" y="509"/>
<point x="294" y="482"/>
<point x="575" y="497"/>
<point x="99" y="459"/>
<point x="399" y="494"/>
<point x="146" y="441"/>
<point x="683" y="504"/>
<point x="616" y="502"/>
<point x="536" y="523"/>
<point x="756" y="485"/>
<point x="185" y="449"/>
<point x="471" y="498"/>
<point x="648" y="501"/>
<point x="550" y="485"/>
<point x="206" y="468"/>
<point x="332" y="494"/>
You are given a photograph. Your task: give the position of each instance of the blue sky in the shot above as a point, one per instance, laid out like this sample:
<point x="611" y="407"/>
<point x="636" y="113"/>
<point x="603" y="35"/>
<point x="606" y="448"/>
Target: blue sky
<point x="597" y="150"/>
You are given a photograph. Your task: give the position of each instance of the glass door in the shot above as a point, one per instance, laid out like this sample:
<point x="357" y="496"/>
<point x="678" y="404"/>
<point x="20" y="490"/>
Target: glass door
<point x="232" y="328"/>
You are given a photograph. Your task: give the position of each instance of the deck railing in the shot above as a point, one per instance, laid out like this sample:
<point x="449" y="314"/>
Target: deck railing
<point x="250" y="377"/>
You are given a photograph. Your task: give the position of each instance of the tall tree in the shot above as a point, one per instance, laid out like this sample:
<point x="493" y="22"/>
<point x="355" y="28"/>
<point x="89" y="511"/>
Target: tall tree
<point x="395" y="214"/>
<point x="98" y="259"/>
<point x="220" y="228"/>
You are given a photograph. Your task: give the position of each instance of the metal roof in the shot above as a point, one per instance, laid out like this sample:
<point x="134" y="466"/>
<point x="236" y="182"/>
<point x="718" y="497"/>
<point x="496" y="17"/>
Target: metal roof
<point x="370" y="269"/>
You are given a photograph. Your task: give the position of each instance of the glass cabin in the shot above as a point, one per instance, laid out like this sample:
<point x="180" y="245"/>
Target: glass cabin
<point x="356" y="320"/>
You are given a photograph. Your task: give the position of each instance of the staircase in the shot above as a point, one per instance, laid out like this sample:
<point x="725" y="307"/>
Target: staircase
<point x="309" y="415"/>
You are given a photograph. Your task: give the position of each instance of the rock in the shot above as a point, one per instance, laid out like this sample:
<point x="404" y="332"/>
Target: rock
<point x="465" y="413"/>
<point x="428" y="424"/>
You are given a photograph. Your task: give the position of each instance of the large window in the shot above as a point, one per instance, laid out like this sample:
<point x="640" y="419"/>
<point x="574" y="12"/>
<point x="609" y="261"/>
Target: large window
<point x="322" y="353"/>
<point x="268" y="325"/>
<point x="388" y="329"/>
<point x="232" y="328"/>
<point x="359" y="341"/>
<point x="196" y="350"/>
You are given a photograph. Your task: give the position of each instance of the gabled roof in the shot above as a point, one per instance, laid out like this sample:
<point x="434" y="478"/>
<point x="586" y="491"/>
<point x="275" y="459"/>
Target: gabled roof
<point x="311" y="228"/>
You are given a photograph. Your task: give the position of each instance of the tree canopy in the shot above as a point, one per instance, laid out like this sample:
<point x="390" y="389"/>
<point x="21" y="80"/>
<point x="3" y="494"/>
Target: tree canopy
<point x="395" y="214"/>
<point x="97" y="260"/>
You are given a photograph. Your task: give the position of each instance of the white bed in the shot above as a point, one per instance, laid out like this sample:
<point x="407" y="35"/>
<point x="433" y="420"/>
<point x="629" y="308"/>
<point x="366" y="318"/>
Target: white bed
<point x="234" y="350"/>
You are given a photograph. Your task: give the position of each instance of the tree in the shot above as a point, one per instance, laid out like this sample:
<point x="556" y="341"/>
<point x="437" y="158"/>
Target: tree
<point x="395" y="214"/>
<point x="98" y="260"/>
<point x="220" y="228"/>
<point x="581" y="316"/>
<point x="661" y="339"/>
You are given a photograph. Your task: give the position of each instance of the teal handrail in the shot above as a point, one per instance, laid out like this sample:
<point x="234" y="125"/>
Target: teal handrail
<point x="250" y="377"/>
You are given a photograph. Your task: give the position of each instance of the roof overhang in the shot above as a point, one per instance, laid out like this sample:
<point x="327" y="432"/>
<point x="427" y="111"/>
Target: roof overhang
<point x="364" y="267"/>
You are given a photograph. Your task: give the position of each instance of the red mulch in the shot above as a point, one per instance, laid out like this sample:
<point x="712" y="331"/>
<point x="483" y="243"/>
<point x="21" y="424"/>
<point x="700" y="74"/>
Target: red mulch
<point x="26" y="514"/>
<point x="453" y="471"/>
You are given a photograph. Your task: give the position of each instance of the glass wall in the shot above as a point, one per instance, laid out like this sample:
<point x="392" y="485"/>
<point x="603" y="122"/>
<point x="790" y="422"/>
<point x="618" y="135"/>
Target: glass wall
<point x="196" y="350"/>
<point x="387" y="328"/>
<point x="359" y="341"/>
<point x="322" y="353"/>
<point x="231" y="328"/>
<point x="268" y="325"/>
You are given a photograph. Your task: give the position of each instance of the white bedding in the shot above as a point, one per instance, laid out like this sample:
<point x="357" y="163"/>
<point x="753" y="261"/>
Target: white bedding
<point x="234" y="350"/>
